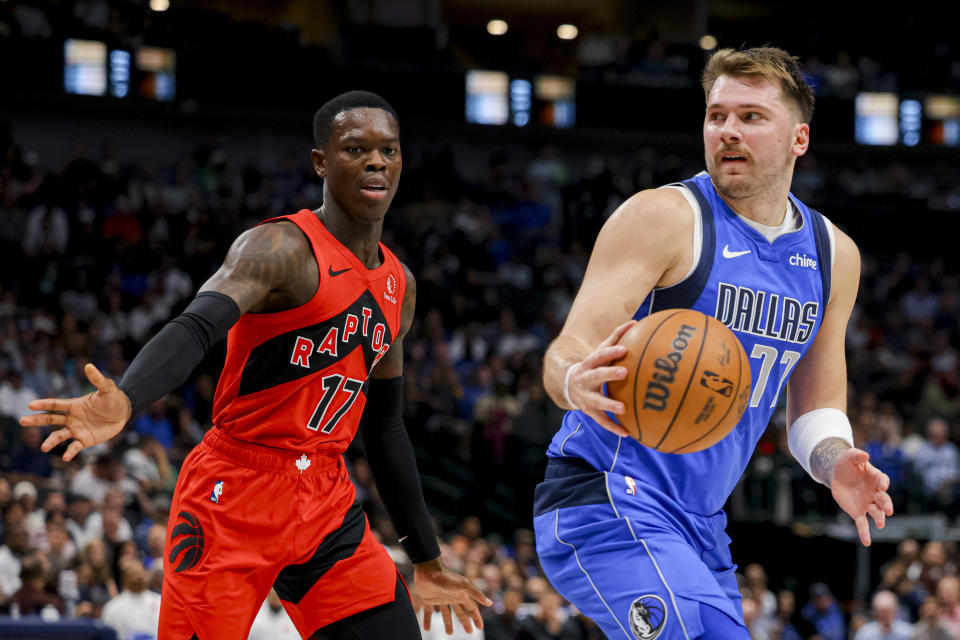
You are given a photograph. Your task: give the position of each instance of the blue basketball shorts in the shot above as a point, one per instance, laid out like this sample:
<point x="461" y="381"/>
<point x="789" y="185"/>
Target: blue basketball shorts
<point x="632" y="560"/>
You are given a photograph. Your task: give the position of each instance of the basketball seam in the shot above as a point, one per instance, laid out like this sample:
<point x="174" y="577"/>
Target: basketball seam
<point x="730" y="406"/>
<point x="696" y="363"/>
<point x="636" y="372"/>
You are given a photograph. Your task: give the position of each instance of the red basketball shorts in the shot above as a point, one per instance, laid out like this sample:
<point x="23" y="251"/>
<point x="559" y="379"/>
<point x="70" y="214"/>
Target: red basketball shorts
<point x="245" y="518"/>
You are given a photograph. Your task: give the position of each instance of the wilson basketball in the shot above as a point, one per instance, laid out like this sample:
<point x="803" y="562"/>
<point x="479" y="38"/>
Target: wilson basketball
<point x="688" y="381"/>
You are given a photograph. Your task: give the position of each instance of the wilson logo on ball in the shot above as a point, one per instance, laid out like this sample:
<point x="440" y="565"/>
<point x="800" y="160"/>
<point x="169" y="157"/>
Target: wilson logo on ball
<point x="191" y="543"/>
<point x="658" y="393"/>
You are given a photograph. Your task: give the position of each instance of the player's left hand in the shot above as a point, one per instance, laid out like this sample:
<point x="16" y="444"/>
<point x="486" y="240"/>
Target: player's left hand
<point x="861" y="489"/>
<point x="443" y="590"/>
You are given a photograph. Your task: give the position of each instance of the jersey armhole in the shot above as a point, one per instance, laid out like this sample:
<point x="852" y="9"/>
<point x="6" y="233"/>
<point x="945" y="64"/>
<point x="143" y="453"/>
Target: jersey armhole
<point x="697" y="229"/>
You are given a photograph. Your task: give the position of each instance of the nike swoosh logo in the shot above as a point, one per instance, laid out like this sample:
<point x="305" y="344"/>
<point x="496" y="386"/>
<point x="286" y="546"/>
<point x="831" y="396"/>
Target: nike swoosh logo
<point x="336" y="273"/>
<point x="733" y="254"/>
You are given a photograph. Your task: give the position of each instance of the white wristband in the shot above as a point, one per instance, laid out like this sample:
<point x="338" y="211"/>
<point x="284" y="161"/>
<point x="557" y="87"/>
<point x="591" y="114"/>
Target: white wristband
<point x="566" y="387"/>
<point x="813" y="427"/>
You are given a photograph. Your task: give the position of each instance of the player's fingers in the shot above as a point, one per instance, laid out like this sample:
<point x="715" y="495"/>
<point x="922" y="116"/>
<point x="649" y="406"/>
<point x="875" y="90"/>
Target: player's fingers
<point x="464" y="616"/>
<point x="55" y="438"/>
<point x="607" y="423"/>
<point x="44" y="420"/>
<point x="50" y="404"/>
<point x="601" y="356"/>
<point x="73" y="449"/>
<point x="885" y="503"/>
<point x="879" y="518"/>
<point x="598" y="402"/>
<point x="883" y="482"/>
<point x="858" y="456"/>
<point x="863" y="529"/>
<point x="97" y="379"/>
<point x="427" y="614"/>
<point x="614" y="337"/>
<point x="598" y="376"/>
<point x="447" y="619"/>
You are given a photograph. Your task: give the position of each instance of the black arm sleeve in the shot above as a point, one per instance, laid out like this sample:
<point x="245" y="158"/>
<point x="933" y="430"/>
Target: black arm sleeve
<point x="172" y="355"/>
<point x="394" y="468"/>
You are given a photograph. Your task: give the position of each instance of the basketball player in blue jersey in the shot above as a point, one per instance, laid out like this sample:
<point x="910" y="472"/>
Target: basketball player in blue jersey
<point x="634" y="537"/>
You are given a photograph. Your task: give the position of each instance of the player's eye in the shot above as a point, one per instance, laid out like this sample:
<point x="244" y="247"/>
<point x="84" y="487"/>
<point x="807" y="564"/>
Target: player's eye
<point x="354" y="149"/>
<point x="390" y="151"/>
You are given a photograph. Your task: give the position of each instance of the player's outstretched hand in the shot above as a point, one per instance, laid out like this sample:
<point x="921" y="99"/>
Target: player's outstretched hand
<point x="861" y="489"/>
<point x="89" y="420"/>
<point x="442" y="589"/>
<point x="587" y="377"/>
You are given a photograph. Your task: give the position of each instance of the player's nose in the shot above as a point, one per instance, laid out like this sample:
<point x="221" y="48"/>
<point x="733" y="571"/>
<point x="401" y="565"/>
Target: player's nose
<point x="730" y="131"/>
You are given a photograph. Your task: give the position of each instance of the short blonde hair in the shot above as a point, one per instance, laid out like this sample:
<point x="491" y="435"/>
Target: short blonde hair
<point x="776" y="65"/>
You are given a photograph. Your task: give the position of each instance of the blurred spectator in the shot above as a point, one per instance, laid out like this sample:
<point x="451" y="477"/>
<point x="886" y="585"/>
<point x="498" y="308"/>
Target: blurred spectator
<point x="929" y="626"/>
<point x="15" y="397"/>
<point x="948" y="593"/>
<point x="549" y="622"/>
<point x="500" y="622"/>
<point x="14" y="550"/>
<point x="94" y="577"/>
<point x="27" y="460"/>
<point x="885" y="625"/>
<point x="32" y="597"/>
<point x="135" y="612"/>
<point x="937" y="461"/>
<point x="824" y="613"/>
<point x="272" y="621"/>
<point x="154" y="423"/>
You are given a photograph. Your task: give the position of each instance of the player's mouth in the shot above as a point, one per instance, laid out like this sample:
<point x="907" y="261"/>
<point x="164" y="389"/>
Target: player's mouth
<point x="733" y="158"/>
<point x="375" y="190"/>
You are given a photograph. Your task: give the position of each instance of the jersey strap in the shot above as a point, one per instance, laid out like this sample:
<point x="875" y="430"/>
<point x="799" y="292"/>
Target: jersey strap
<point x="685" y="293"/>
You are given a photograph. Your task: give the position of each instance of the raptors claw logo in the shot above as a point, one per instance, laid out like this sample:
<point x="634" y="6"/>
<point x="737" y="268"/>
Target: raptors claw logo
<point x="647" y="616"/>
<point x="191" y="544"/>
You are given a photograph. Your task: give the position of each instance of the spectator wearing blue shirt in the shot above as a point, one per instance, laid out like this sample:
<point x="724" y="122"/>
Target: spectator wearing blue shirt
<point x="824" y="613"/>
<point x="154" y="422"/>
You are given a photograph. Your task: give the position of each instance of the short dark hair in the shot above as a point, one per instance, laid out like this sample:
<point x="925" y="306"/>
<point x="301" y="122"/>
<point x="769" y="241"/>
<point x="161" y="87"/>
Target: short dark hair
<point x="325" y="115"/>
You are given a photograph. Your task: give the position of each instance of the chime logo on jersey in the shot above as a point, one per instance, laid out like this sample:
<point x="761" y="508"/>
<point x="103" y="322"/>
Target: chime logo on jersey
<point x="391" y="289"/>
<point x="766" y="314"/>
<point x="647" y="616"/>
<point x="805" y="261"/>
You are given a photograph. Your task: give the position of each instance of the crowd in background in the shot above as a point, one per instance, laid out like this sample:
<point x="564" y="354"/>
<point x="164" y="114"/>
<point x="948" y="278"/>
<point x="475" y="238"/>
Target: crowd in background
<point x="97" y="253"/>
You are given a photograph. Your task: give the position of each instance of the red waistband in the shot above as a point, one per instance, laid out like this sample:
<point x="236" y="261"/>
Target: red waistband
<point x="261" y="458"/>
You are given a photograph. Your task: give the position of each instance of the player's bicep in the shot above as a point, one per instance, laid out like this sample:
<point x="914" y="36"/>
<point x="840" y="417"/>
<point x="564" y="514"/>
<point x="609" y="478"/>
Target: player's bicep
<point x="636" y="246"/>
<point x="820" y="379"/>
<point x="260" y="260"/>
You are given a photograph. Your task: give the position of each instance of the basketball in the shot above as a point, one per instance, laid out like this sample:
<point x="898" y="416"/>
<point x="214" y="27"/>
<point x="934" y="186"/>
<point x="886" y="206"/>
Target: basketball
<point x="688" y="381"/>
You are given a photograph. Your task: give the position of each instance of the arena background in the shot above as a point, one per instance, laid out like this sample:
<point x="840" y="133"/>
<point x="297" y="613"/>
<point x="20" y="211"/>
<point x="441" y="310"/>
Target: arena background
<point x="117" y="205"/>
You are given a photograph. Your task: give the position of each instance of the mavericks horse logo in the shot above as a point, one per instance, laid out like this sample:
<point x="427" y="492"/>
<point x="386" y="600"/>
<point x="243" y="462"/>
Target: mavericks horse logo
<point x="647" y="616"/>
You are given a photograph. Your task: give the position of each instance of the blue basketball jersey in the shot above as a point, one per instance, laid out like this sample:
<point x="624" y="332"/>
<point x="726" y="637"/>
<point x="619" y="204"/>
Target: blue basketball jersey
<point x="773" y="296"/>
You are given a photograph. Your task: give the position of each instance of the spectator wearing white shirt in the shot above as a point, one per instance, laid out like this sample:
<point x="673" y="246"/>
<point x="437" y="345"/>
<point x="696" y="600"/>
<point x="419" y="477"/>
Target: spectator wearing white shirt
<point x="937" y="461"/>
<point x="885" y="625"/>
<point x="272" y="621"/>
<point x="135" y="611"/>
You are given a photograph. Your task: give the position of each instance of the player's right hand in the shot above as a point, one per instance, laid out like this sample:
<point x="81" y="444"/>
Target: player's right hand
<point x="587" y="379"/>
<point x="89" y="420"/>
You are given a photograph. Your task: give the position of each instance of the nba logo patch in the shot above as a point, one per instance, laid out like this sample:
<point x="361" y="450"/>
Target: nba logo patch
<point x="647" y="616"/>
<point x="217" y="490"/>
<point x="631" y="486"/>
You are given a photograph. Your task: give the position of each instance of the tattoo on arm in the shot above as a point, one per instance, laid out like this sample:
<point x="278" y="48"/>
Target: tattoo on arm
<point x="824" y="456"/>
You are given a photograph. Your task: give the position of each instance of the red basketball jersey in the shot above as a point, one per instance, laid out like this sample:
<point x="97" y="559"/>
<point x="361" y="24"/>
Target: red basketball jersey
<point x="296" y="379"/>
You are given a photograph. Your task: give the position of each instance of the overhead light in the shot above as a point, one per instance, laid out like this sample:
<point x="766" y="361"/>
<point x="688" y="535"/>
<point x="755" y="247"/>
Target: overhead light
<point x="708" y="42"/>
<point x="567" y="32"/>
<point x="159" y="5"/>
<point x="497" y="27"/>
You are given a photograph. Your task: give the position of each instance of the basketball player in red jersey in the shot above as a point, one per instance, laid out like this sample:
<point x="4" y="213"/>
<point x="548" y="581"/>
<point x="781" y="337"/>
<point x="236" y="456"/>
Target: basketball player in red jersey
<point x="316" y="310"/>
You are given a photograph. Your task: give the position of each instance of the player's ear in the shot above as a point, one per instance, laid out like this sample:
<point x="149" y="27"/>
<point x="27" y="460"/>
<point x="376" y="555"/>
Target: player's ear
<point x="319" y="162"/>
<point x="801" y="138"/>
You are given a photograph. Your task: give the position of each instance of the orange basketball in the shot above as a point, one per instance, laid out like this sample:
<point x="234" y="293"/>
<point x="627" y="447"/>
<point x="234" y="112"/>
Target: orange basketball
<point x="687" y="384"/>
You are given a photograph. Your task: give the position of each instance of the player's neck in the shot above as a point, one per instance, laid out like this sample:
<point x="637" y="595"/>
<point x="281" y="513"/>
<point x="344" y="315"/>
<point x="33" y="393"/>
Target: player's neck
<point x="360" y="237"/>
<point x="768" y="207"/>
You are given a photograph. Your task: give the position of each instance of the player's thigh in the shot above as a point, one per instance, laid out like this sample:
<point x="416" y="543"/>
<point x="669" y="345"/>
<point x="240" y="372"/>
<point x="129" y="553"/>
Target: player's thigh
<point x="222" y="547"/>
<point x="719" y="626"/>
<point x="396" y="620"/>
<point x="348" y="572"/>
<point x="620" y="581"/>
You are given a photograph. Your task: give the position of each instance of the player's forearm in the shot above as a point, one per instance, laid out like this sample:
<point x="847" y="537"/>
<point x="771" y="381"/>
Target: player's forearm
<point x="564" y="352"/>
<point x="824" y="457"/>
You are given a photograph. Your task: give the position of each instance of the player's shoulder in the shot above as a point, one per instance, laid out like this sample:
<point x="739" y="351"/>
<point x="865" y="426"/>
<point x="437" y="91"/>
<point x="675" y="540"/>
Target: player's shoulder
<point x="277" y="238"/>
<point x="661" y="215"/>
